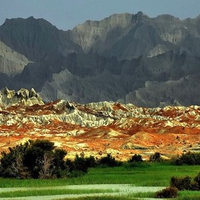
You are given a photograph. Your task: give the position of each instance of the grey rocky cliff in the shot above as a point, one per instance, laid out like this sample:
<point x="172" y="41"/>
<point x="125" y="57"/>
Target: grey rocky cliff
<point x="102" y="35"/>
<point x="129" y="58"/>
<point x="11" y="62"/>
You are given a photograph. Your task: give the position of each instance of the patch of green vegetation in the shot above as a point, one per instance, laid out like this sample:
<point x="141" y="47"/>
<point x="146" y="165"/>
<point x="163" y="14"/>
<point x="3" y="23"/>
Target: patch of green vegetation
<point x="133" y="196"/>
<point x="52" y="192"/>
<point x="188" y="195"/>
<point x="102" y="198"/>
<point x="48" y="168"/>
<point x="12" y="182"/>
<point x="183" y="195"/>
<point x="146" y="174"/>
<point x="149" y="174"/>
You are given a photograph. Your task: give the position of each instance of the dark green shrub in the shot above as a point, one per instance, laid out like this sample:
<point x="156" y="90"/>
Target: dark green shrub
<point x="58" y="161"/>
<point x="108" y="161"/>
<point x="196" y="183"/>
<point x="135" y="158"/>
<point x="34" y="159"/>
<point x="186" y="183"/>
<point x="45" y="145"/>
<point x="39" y="157"/>
<point x="12" y="162"/>
<point x="181" y="183"/>
<point x="91" y="161"/>
<point x="189" y="159"/>
<point x="80" y="164"/>
<point x="156" y="157"/>
<point x="197" y="179"/>
<point x="170" y="192"/>
<point x="195" y="186"/>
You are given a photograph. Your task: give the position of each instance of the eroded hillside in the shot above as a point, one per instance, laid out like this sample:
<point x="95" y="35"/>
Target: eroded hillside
<point x="98" y="128"/>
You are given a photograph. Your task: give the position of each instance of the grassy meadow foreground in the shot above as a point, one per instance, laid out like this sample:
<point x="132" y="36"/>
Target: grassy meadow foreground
<point x="48" y="175"/>
<point x="138" y="174"/>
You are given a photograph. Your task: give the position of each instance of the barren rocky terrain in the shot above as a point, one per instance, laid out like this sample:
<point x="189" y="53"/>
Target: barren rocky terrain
<point x="98" y="128"/>
<point x="129" y="58"/>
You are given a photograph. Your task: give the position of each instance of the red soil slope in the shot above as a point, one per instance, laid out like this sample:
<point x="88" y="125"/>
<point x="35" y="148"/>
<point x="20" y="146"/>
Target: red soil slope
<point x="101" y="128"/>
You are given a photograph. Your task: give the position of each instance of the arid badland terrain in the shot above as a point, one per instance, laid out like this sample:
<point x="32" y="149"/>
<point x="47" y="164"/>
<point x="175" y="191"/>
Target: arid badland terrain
<point x="97" y="129"/>
<point x="127" y="84"/>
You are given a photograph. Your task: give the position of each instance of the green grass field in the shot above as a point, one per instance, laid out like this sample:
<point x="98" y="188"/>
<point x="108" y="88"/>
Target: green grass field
<point x="51" y="192"/>
<point x="145" y="174"/>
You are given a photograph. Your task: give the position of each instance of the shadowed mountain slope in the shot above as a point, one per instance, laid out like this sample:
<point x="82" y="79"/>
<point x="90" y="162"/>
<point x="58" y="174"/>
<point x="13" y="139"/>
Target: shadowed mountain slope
<point x="127" y="58"/>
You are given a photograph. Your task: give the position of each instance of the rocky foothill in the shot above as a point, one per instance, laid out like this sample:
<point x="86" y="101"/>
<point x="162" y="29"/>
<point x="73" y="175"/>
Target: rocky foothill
<point x="98" y="128"/>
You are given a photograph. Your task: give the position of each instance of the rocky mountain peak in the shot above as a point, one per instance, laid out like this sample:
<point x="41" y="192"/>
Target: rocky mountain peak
<point x="30" y="36"/>
<point x="129" y="58"/>
<point x="22" y="96"/>
<point x="93" y="33"/>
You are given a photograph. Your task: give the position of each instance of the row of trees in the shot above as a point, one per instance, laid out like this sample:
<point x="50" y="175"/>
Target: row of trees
<point x="187" y="159"/>
<point x="40" y="159"/>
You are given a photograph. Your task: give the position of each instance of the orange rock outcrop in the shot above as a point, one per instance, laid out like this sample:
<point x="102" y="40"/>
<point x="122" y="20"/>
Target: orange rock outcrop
<point x="105" y="127"/>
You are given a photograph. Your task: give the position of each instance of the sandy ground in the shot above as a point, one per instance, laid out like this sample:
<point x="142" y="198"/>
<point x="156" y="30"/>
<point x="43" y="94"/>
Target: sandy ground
<point x="118" y="189"/>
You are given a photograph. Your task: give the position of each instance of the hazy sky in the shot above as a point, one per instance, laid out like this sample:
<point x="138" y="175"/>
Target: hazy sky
<point x="65" y="14"/>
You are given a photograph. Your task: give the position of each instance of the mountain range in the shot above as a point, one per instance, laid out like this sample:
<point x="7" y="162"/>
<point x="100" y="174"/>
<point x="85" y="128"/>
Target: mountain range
<point x="126" y="58"/>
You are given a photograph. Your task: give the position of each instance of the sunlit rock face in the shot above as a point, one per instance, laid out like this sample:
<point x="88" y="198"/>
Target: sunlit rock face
<point x="21" y="97"/>
<point x="127" y="58"/>
<point x="98" y="128"/>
